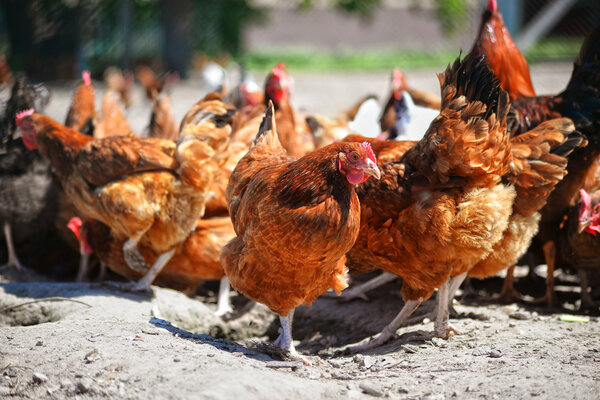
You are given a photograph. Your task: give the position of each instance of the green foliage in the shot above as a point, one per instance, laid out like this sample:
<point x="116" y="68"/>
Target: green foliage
<point x="363" y="8"/>
<point x="452" y="14"/>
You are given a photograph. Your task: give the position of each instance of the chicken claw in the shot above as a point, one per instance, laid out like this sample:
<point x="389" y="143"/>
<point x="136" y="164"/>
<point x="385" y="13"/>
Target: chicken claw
<point x="390" y="330"/>
<point x="285" y="342"/>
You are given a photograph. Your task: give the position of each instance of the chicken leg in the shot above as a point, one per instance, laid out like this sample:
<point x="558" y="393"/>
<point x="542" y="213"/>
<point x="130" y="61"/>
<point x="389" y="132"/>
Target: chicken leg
<point x="223" y="306"/>
<point x="446" y="292"/>
<point x="84" y="260"/>
<point x="144" y="284"/>
<point x="508" y="294"/>
<point x="285" y="341"/>
<point x="587" y="302"/>
<point x="13" y="260"/>
<point x="390" y="330"/>
<point x="550" y="256"/>
<point x="358" y="292"/>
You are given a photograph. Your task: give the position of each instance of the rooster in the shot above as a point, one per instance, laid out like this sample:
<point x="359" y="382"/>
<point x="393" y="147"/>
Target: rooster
<point x="147" y="190"/>
<point x="502" y="54"/>
<point x="457" y="183"/>
<point x="294" y="219"/>
<point x="155" y="84"/>
<point x="578" y="240"/>
<point x="82" y="113"/>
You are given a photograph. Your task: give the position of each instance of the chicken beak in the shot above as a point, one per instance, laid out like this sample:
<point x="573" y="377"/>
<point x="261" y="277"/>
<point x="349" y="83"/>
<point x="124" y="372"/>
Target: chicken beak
<point x="372" y="169"/>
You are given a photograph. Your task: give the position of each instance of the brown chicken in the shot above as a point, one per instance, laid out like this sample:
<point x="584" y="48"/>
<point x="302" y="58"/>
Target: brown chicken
<point x="82" y="113"/>
<point x="119" y="82"/>
<point x="149" y="191"/>
<point x="294" y="134"/>
<point x="444" y="206"/>
<point x="195" y="260"/>
<point x="502" y="54"/>
<point x="578" y="241"/>
<point x="113" y="121"/>
<point x="294" y="219"/>
<point x="227" y="159"/>
<point x="162" y="123"/>
<point x="154" y="84"/>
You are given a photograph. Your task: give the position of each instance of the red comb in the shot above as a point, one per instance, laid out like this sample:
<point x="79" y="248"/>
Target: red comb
<point x="22" y="115"/>
<point x="74" y="225"/>
<point x="369" y="151"/>
<point x="85" y="75"/>
<point x="492" y="6"/>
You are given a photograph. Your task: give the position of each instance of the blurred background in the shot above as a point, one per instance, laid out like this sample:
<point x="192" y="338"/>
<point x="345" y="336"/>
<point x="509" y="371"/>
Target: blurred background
<point x="57" y="39"/>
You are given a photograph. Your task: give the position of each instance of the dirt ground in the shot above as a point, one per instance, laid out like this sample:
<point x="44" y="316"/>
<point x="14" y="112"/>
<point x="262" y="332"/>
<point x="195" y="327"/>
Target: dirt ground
<point x="63" y="340"/>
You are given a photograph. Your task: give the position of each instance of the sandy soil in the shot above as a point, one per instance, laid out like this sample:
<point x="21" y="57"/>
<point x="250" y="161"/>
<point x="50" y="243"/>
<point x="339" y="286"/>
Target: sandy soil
<point x="65" y="340"/>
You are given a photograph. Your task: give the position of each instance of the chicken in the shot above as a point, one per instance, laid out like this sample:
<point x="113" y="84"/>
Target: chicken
<point x="119" y="82"/>
<point x="502" y="54"/>
<point x="153" y="84"/>
<point x="82" y="113"/>
<point x="162" y="123"/>
<point x="29" y="198"/>
<point x="580" y="101"/>
<point x="294" y="134"/>
<point x="539" y="164"/>
<point x="113" y="122"/>
<point x="294" y="220"/>
<point x="147" y="190"/>
<point x="401" y="118"/>
<point x="444" y="205"/>
<point x="195" y="260"/>
<point x="227" y="159"/>
<point x="75" y="225"/>
<point x="578" y="241"/>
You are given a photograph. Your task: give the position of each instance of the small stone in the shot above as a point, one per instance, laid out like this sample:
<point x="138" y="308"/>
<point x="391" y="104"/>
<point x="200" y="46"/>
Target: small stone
<point x="574" y="358"/>
<point x="67" y="385"/>
<point x="176" y="360"/>
<point x="293" y="365"/>
<point x="481" y="351"/>
<point x="439" y="342"/>
<point x="85" y="385"/>
<point x="520" y="315"/>
<point x="92" y="356"/>
<point x="38" y="377"/>
<point x="39" y="343"/>
<point x="358" y="358"/>
<point x="409" y="348"/>
<point x="370" y="390"/>
<point x="495" y="353"/>
<point x="402" y="390"/>
<point x="512" y="324"/>
<point x="367" y="362"/>
<point x="336" y="363"/>
<point x="426" y="321"/>
<point x="511" y="308"/>
<point x="432" y="396"/>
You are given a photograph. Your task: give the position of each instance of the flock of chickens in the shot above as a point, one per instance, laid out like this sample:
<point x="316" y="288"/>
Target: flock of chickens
<point x="282" y="206"/>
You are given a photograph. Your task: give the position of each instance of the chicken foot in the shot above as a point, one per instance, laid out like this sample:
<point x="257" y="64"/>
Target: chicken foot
<point x="144" y="284"/>
<point x="508" y="294"/>
<point x="550" y="256"/>
<point x="390" y="330"/>
<point x="285" y="341"/>
<point x="132" y="255"/>
<point x="13" y="260"/>
<point x="587" y="302"/>
<point x="223" y="305"/>
<point x="358" y="292"/>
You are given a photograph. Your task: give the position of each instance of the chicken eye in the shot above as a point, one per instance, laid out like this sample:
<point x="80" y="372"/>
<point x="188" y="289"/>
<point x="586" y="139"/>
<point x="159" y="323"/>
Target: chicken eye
<point x="353" y="156"/>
